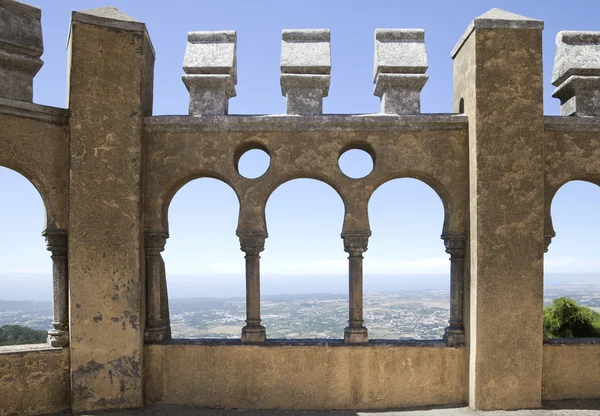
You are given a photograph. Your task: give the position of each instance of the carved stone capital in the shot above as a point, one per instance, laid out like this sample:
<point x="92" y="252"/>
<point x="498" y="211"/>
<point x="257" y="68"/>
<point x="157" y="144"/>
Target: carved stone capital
<point x="154" y="242"/>
<point x="252" y="242"/>
<point x="56" y="242"/>
<point x="356" y="243"/>
<point x="58" y="338"/>
<point x="455" y="243"/>
<point x="548" y="239"/>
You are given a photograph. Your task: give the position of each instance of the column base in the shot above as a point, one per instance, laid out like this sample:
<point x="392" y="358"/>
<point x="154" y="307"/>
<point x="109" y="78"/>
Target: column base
<point x="253" y="334"/>
<point x="454" y="336"/>
<point x="356" y="335"/>
<point x="58" y="338"/>
<point x="155" y="333"/>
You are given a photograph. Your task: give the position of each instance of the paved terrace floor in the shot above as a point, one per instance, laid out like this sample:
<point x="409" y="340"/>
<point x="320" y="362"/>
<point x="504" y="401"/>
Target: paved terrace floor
<point x="559" y="408"/>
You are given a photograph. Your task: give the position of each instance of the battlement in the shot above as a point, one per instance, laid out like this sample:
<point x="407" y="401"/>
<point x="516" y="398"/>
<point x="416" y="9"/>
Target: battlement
<point x="107" y="170"/>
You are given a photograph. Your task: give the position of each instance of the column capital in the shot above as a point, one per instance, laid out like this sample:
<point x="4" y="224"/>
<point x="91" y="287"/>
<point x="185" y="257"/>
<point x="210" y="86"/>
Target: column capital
<point x="356" y="242"/>
<point x="252" y="242"/>
<point x="56" y="241"/>
<point x="154" y="241"/>
<point x="455" y="243"/>
<point x="548" y="236"/>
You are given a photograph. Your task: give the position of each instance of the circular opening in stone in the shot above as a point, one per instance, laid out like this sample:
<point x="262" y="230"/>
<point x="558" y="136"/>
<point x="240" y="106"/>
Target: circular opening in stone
<point x="253" y="163"/>
<point x="356" y="163"/>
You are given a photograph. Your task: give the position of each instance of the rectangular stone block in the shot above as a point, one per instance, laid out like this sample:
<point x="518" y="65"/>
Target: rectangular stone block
<point x="109" y="94"/>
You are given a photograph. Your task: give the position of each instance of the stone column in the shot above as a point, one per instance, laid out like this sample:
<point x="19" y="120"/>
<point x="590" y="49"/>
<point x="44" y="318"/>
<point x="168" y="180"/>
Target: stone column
<point x="56" y="243"/>
<point x="156" y="323"/>
<point x="253" y="244"/>
<point x="355" y="244"/>
<point x="110" y="93"/>
<point x="498" y="77"/>
<point x="456" y="245"/>
<point x="305" y="70"/>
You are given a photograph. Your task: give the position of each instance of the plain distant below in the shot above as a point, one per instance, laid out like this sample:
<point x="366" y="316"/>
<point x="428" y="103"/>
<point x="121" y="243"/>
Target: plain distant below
<point x="38" y="287"/>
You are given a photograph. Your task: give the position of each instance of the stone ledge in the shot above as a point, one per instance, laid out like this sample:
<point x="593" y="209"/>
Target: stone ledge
<point x="326" y="343"/>
<point x="35" y="111"/>
<point x="571" y="123"/>
<point x="284" y="122"/>
<point x="557" y="342"/>
<point x="28" y="348"/>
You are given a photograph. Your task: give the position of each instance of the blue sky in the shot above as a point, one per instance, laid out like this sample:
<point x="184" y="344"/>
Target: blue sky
<point x="304" y="216"/>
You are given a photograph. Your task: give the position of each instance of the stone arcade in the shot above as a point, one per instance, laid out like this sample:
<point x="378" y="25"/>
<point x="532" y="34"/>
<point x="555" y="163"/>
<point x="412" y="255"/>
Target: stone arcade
<point x="107" y="170"/>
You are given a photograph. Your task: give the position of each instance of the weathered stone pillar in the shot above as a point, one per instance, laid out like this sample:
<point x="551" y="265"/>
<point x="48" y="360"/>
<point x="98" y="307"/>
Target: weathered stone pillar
<point x="157" y="328"/>
<point x="56" y="243"/>
<point x="498" y="78"/>
<point x="253" y="243"/>
<point x="355" y="244"/>
<point x="20" y="49"/>
<point x="456" y="245"/>
<point x="110" y="93"/>
<point x="305" y="70"/>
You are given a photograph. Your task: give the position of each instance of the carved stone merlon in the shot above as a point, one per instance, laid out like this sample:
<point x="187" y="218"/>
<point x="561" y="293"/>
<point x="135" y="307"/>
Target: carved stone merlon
<point x="20" y="49"/>
<point x="253" y="243"/>
<point x="210" y="71"/>
<point x="57" y="244"/>
<point x="355" y="244"/>
<point x="305" y="69"/>
<point x="400" y="65"/>
<point x="576" y="73"/>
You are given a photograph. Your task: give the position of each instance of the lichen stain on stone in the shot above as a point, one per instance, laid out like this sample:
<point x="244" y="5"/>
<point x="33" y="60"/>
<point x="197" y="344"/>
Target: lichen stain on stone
<point x="133" y="322"/>
<point x="97" y="318"/>
<point x="115" y="297"/>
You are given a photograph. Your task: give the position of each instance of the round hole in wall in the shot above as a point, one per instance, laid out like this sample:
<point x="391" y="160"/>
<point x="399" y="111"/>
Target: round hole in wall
<point x="356" y="163"/>
<point x="253" y="163"/>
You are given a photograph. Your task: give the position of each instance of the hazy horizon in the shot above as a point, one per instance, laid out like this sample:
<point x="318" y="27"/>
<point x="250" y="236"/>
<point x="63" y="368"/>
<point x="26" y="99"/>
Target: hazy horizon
<point x="38" y="287"/>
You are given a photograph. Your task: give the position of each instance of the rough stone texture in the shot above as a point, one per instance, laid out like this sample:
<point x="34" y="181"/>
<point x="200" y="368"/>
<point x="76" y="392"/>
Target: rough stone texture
<point x="577" y="53"/>
<point x="400" y="62"/>
<point x="287" y="377"/>
<point x="430" y="148"/>
<point x="20" y="49"/>
<point x="211" y="71"/>
<point x="110" y="88"/>
<point x="576" y="73"/>
<point x="498" y="81"/>
<point x="571" y="371"/>
<point x="572" y="152"/>
<point x="305" y="69"/>
<point x="34" y="379"/>
<point x="34" y="142"/>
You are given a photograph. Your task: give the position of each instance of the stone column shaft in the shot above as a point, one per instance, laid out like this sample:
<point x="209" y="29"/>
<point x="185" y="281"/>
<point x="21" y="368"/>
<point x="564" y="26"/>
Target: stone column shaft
<point x="456" y="247"/>
<point x="355" y="244"/>
<point x="156" y="323"/>
<point x="253" y="244"/>
<point x="57" y="244"/>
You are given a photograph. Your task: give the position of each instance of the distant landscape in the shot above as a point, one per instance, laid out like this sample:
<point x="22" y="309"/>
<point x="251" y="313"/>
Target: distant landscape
<point x="420" y="314"/>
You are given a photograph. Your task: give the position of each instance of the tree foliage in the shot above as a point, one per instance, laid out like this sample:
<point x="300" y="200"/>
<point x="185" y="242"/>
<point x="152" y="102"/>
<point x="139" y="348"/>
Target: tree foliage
<point x="19" y="335"/>
<point x="566" y="319"/>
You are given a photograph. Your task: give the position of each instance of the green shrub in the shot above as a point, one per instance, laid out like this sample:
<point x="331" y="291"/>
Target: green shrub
<point x="19" y="335"/>
<point x="566" y="319"/>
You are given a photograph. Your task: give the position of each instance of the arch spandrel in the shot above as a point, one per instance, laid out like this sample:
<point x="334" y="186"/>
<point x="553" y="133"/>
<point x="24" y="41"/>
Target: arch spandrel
<point x="38" y="150"/>
<point x="570" y="155"/>
<point x="438" y="157"/>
